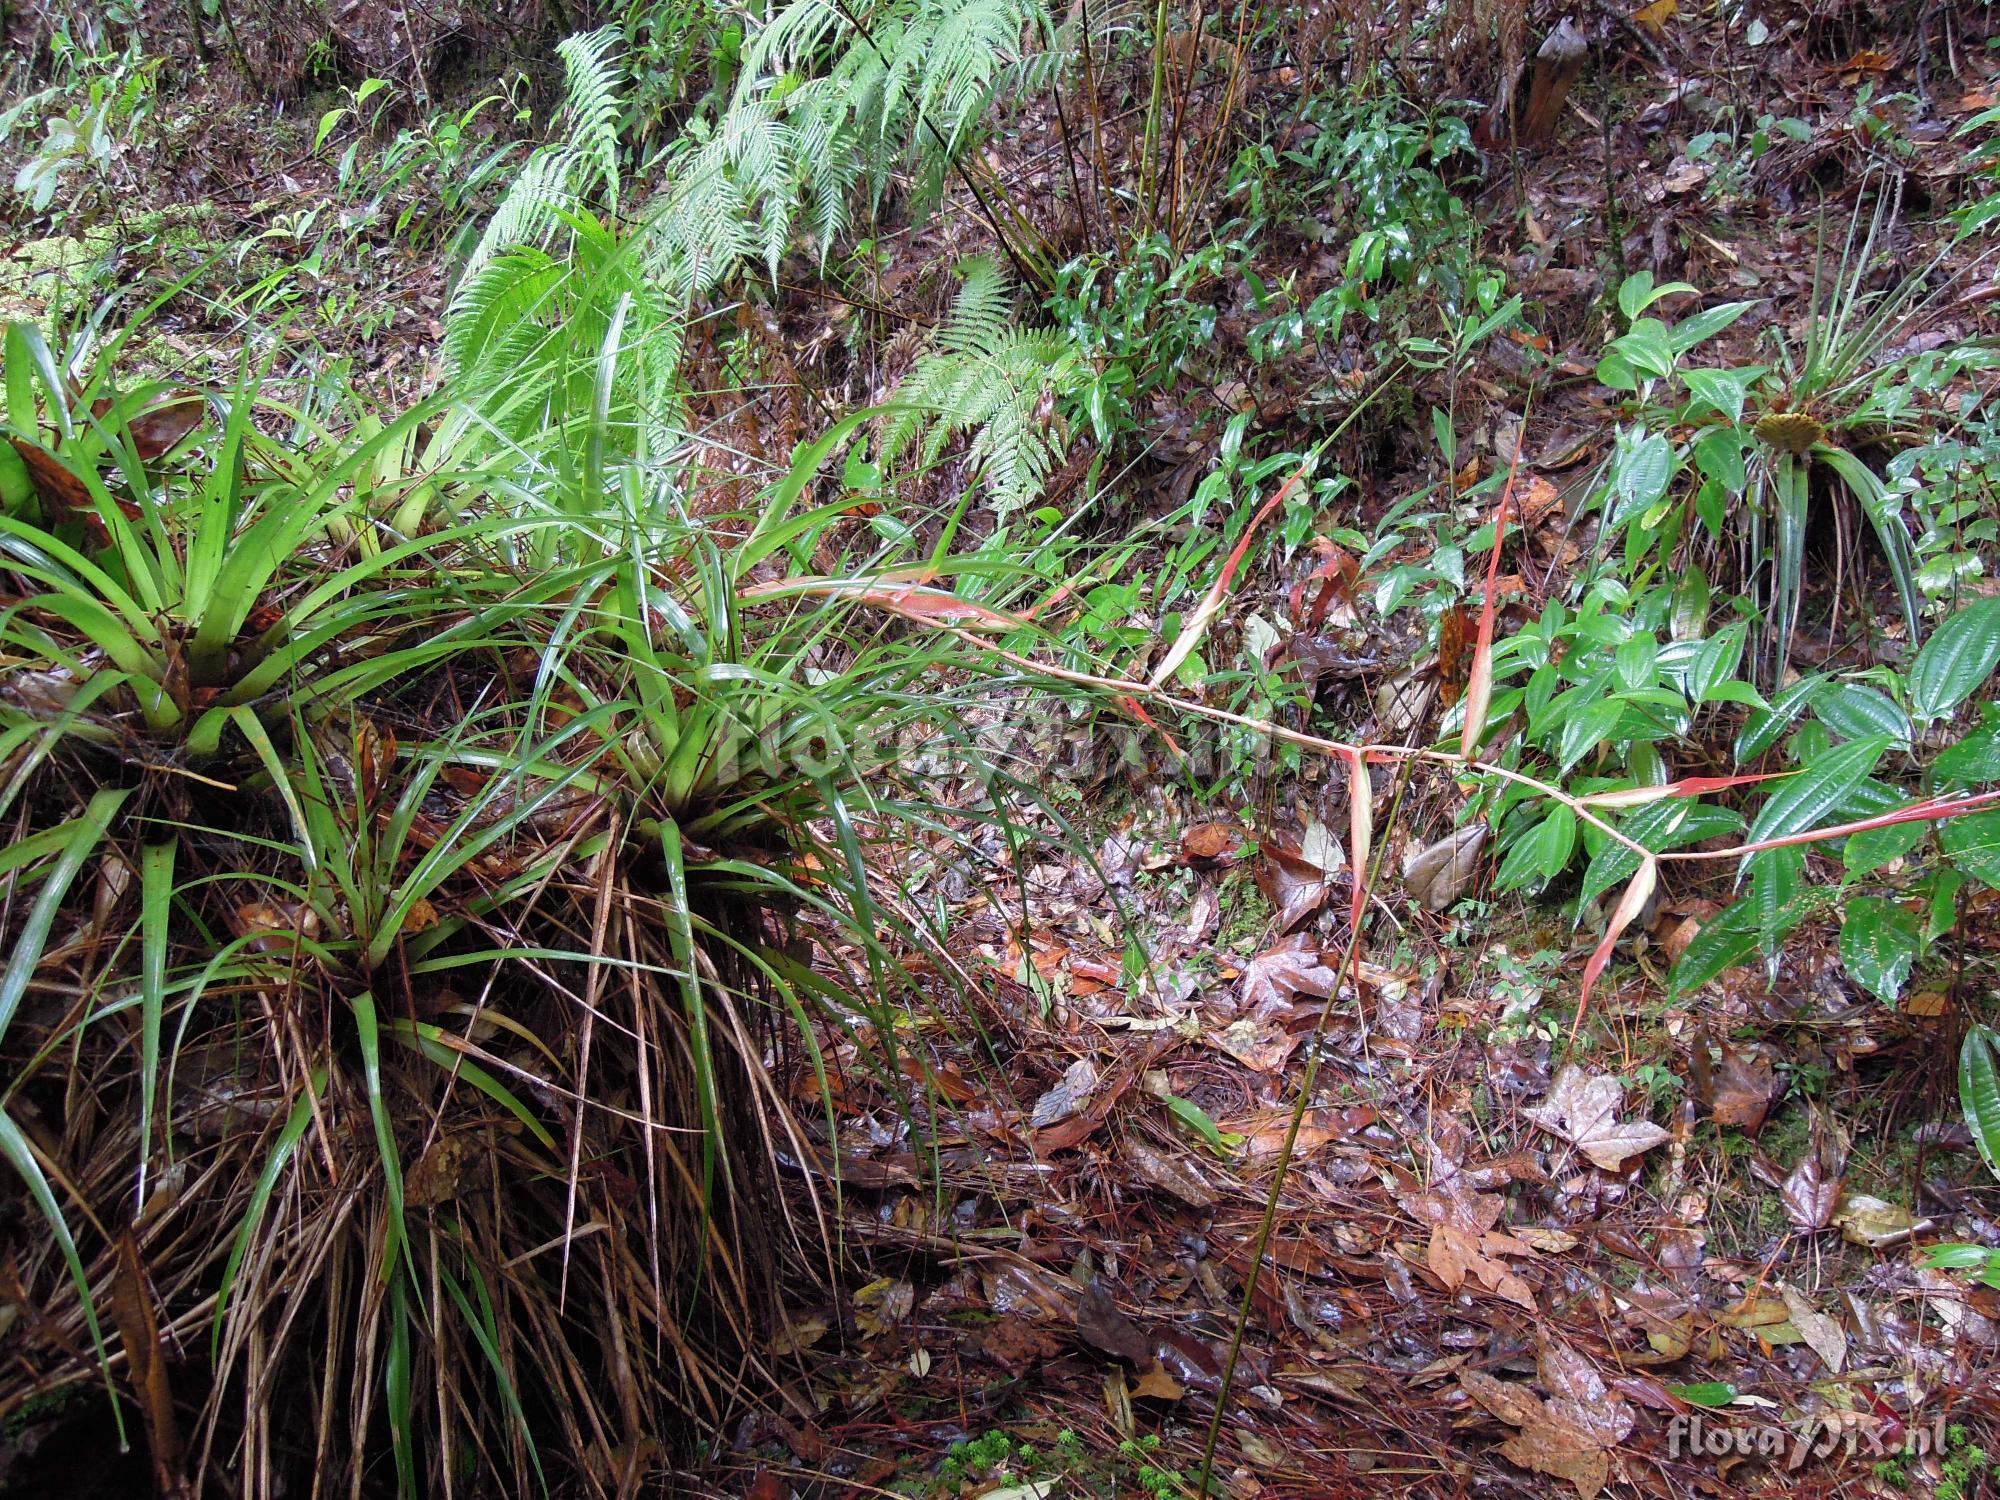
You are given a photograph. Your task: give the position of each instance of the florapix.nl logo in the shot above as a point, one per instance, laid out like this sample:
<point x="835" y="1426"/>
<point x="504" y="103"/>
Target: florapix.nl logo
<point x="1793" y="1444"/>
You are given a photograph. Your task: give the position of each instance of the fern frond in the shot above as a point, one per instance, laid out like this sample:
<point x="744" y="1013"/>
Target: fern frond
<point x="986" y="377"/>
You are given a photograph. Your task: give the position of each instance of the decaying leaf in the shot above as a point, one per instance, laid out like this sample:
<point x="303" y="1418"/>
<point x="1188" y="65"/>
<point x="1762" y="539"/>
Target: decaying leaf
<point x="1214" y="842"/>
<point x="1294" y="966"/>
<point x="1879" y="1225"/>
<point x="1821" y="1333"/>
<point x="1744" y="1088"/>
<point x="1101" y="1325"/>
<point x="1261" y="1045"/>
<point x="146" y="1365"/>
<point x="1440" y="874"/>
<point x="1583" y="1109"/>
<point x="1168" y="1173"/>
<point x="1296" y="876"/>
<point x="1567" y="1434"/>
<point x="881" y="1305"/>
<point x="1069" y="1095"/>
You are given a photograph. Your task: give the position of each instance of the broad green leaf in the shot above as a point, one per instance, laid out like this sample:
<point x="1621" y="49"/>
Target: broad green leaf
<point x="1864" y="853"/>
<point x="1803" y="800"/>
<point x="1977" y="756"/>
<point x="1704" y="326"/>
<point x="1640" y="474"/>
<point x="1718" y="453"/>
<point x="1730" y="939"/>
<point x="1635" y="660"/>
<point x="1763" y="730"/>
<point x="1722" y="390"/>
<point x="1856" y="711"/>
<point x="1588" y="729"/>
<point x="1973" y="842"/>
<point x="1979" y="1091"/>
<point x="1880" y="943"/>
<point x="1956" y="661"/>
<point x="1541" y="852"/>
<point x="1659" y="826"/>
<point x="1716" y="662"/>
<point x="1776" y="876"/>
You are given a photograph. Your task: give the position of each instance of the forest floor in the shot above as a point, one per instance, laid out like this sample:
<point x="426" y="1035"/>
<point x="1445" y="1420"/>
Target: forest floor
<point x="1693" y="1224"/>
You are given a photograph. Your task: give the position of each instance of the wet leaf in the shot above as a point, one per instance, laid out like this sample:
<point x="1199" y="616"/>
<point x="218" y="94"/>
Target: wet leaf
<point x="1868" y="1221"/>
<point x="1101" y="1325"/>
<point x="1745" y="1086"/>
<point x="1440" y="874"/>
<point x="1261" y="1045"/>
<point x="1070" y="1094"/>
<point x="1294" y="884"/>
<point x="1810" y="1190"/>
<point x="1822" y="1335"/>
<point x="883" y="1304"/>
<point x="1583" y="1109"/>
<point x="1212" y="843"/>
<point x="161" y="426"/>
<point x="1168" y="1173"/>
<point x="1293" y="967"/>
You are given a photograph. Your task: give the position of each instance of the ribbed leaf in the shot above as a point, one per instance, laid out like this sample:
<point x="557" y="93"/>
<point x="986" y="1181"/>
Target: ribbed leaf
<point x="1979" y="1091"/>
<point x="1956" y="660"/>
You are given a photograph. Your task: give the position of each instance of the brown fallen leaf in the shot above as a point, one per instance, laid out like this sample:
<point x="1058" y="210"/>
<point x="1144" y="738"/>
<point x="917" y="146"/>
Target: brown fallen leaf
<point x="1565" y="1436"/>
<point x="1212" y="843"/>
<point x="146" y="1366"/>
<point x="1822" y="1335"/>
<point x="1745" y="1086"/>
<point x="1294" y="966"/>
<point x="1441" y="873"/>
<point x="1453" y="1253"/>
<point x="1811" y="1189"/>
<point x="1582" y="1108"/>
<point x="1069" y="1094"/>
<point x="1101" y="1325"/>
<point x="1261" y="1045"/>
<point x="1155" y="1382"/>
<point x="1168" y="1173"/>
<point x="157" y="429"/>
<point x="1295" y="884"/>
<point x="1264" y="1132"/>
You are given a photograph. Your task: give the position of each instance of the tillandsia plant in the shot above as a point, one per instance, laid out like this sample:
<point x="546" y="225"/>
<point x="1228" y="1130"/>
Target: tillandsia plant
<point x="1751" y="437"/>
<point x="463" y="844"/>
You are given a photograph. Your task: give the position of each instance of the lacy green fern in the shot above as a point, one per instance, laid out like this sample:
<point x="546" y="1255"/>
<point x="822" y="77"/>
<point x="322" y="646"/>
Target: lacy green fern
<point x="986" y="376"/>
<point x="564" y="316"/>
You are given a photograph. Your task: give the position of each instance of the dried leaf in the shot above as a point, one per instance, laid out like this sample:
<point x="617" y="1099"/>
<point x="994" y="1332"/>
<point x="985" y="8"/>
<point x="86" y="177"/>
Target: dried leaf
<point x="1583" y="1109"/>
<point x="1869" y="1221"/>
<point x="1745" y="1086"/>
<point x="1637" y="893"/>
<point x="1812" y="1188"/>
<point x="1442" y="873"/>
<point x="1168" y="1173"/>
<point x="1212" y="843"/>
<point x="1101" y="1325"/>
<point x="157" y="429"/>
<point x="1262" y="1045"/>
<point x="1069" y="1095"/>
<point x="1548" y="1441"/>
<point x="1156" y="1383"/>
<point x="1292" y="967"/>
<point x="1295" y="884"/>
<point x="1821" y="1333"/>
<point x="146" y="1365"/>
